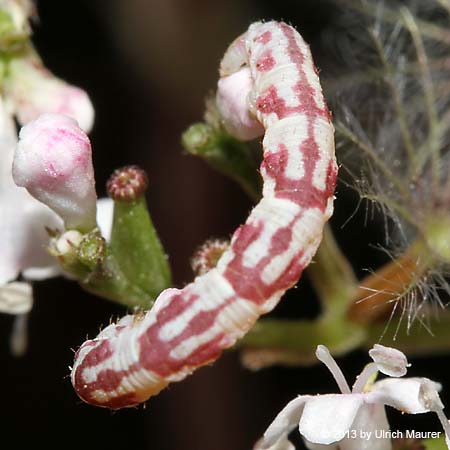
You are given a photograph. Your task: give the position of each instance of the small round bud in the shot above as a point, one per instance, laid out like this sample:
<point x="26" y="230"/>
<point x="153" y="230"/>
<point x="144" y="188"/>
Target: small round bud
<point x="233" y="103"/>
<point x="206" y="257"/>
<point x="127" y="184"/>
<point x="68" y="242"/>
<point x="92" y="250"/>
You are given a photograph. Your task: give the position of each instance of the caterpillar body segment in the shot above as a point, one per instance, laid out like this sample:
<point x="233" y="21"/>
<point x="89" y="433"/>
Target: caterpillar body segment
<point x="135" y="358"/>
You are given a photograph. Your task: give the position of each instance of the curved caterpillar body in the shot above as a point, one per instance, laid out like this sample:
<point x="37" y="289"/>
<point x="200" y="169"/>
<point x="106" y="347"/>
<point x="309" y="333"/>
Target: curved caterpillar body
<point x="135" y="358"/>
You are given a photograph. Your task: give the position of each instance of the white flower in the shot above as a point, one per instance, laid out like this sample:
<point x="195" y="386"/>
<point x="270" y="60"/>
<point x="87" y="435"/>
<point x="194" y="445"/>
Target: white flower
<point x="23" y="236"/>
<point x="338" y="421"/>
<point x="29" y="90"/>
<point x="22" y="228"/>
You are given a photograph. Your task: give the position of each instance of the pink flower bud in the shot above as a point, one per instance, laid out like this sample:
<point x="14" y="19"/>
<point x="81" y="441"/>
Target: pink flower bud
<point x="53" y="162"/>
<point x="33" y="90"/>
<point x="233" y="103"/>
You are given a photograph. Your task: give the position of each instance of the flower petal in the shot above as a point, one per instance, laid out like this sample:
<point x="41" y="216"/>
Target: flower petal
<point x="41" y="273"/>
<point x="24" y="236"/>
<point x="390" y="361"/>
<point x="276" y="436"/>
<point x="406" y="395"/>
<point x="105" y="212"/>
<point x="369" y="424"/>
<point x="16" y="298"/>
<point x="22" y="228"/>
<point x="327" y="418"/>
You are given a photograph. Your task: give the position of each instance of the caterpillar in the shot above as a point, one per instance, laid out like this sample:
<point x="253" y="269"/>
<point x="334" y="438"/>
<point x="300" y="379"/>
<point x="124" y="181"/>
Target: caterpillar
<point x="135" y="358"/>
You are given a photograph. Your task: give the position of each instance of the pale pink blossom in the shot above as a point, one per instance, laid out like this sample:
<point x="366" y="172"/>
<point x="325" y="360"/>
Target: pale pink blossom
<point x="23" y="236"/>
<point x="53" y="161"/>
<point x="31" y="90"/>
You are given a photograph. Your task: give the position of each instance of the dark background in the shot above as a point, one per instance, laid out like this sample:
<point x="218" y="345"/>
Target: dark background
<point x="147" y="66"/>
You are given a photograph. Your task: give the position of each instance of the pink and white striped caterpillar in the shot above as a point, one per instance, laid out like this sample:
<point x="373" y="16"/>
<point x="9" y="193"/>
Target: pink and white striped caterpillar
<point x="134" y="359"/>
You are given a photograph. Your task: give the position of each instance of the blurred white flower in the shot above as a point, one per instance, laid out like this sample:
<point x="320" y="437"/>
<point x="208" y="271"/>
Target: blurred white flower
<point x="24" y="237"/>
<point x="30" y="90"/>
<point x="350" y="420"/>
<point x="23" y="226"/>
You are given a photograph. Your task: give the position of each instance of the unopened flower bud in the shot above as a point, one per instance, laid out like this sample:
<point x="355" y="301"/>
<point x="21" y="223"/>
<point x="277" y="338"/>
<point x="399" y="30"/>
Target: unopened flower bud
<point x="92" y="250"/>
<point x="68" y="242"/>
<point x="53" y="162"/>
<point x="206" y="257"/>
<point x="127" y="184"/>
<point x="233" y="103"/>
<point x="65" y="246"/>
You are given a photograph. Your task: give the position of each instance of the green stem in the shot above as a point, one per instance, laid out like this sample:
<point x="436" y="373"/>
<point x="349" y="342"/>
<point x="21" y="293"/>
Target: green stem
<point x="332" y="275"/>
<point x="417" y="340"/>
<point x="225" y="154"/>
<point x="137" y="249"/>
<point x="294" y="342"/>
<point x="132" y="269"/>
<point x="108" y="281"/>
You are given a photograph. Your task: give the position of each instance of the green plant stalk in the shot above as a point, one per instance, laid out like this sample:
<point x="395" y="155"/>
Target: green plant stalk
<point x="108" y="281"/>
<point x="418" y="341"/>
<point x="132" y="269"/>
<point x="137" y="249"/>
<point x="225" y="154"/>
<point x="294" y="342"/>
<point x="12" y="40"/>
<point x="332" y="276"/>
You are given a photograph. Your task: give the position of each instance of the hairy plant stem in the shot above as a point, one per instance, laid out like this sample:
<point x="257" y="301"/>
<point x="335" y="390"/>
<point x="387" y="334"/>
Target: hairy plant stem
<point x="378" y="291"/>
